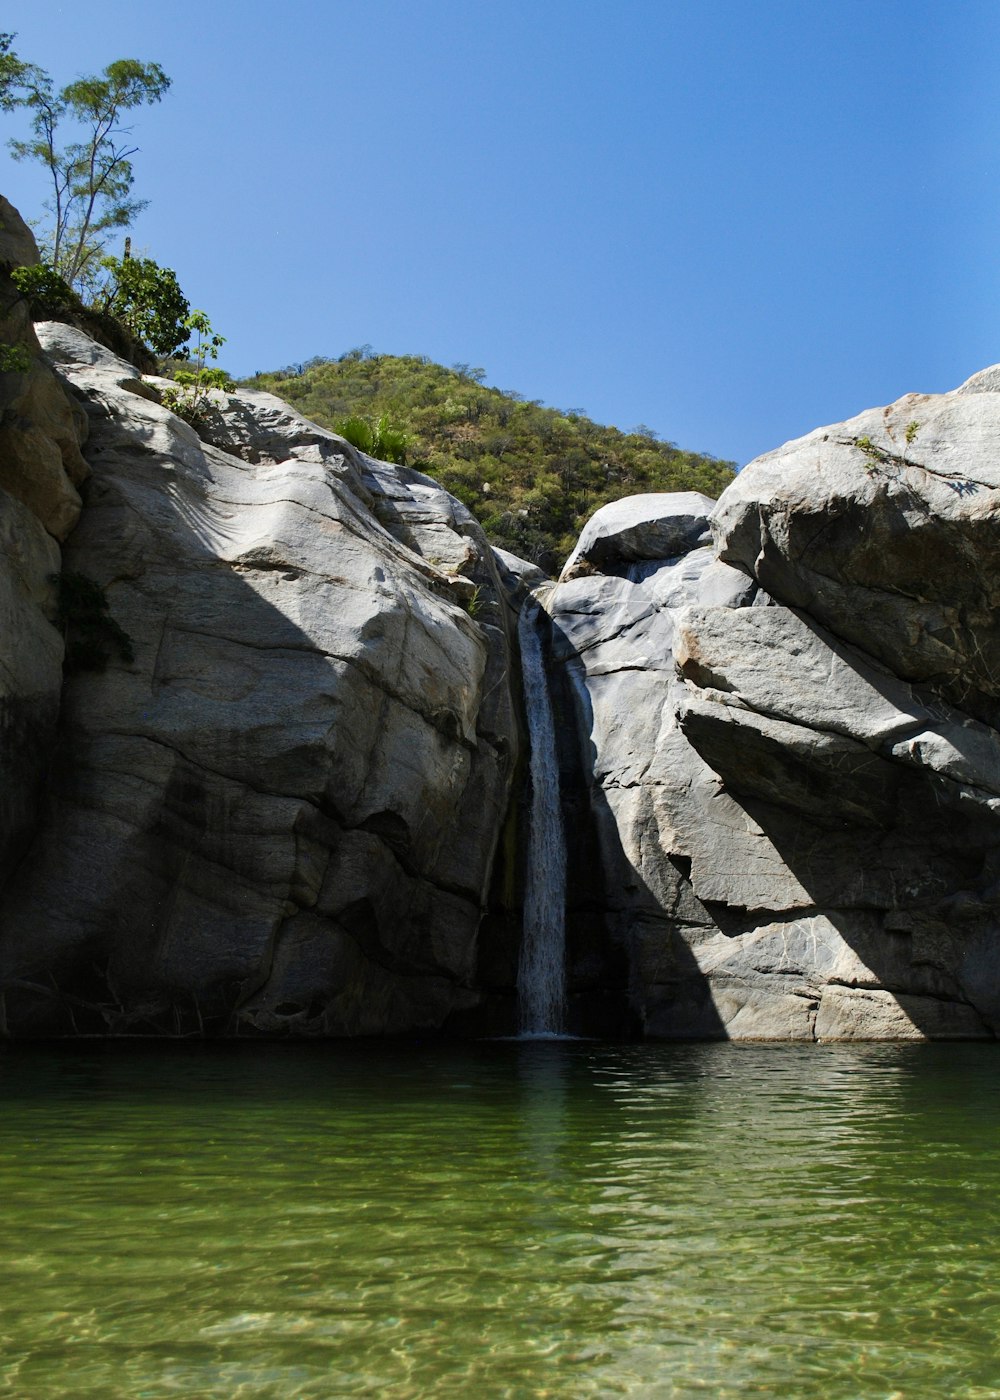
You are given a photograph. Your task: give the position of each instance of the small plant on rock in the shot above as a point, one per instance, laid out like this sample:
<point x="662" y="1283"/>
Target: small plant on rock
<point x="376" y="437"/>
<point x="15" y="359"/>
<point x="874" y="456"/>
<point x="189" y="400"/>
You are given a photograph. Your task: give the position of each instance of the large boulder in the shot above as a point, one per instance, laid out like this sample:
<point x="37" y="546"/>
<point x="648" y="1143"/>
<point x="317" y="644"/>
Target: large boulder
<point x="275" y="810"/>
<point x="795" y="807"/>
<point x="658" y="525"/>
<point x="17" y="243"/>
<point x="41" y="426"/>
<point x="884" y="530"/>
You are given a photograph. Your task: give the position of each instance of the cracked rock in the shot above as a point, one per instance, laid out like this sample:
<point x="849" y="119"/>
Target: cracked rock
<point x="280" y="816"/>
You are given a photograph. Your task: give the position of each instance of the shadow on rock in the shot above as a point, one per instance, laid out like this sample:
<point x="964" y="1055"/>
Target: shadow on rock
<point x="280" y="817"/>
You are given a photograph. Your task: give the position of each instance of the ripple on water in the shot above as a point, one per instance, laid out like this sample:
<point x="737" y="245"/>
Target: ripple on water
<point x="558" y="1220"/>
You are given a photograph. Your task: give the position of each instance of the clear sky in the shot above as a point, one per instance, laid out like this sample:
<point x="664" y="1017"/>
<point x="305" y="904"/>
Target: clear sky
<point x="731" y="220"/>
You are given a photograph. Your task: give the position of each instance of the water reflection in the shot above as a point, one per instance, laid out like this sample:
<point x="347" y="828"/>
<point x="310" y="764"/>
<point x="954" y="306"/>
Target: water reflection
<point x="541" y="1219"/>
<point x="543" y="1082"/>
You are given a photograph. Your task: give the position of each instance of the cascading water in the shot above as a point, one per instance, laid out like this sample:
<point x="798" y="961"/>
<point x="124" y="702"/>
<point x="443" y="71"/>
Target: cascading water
<point x="541" y="974"/>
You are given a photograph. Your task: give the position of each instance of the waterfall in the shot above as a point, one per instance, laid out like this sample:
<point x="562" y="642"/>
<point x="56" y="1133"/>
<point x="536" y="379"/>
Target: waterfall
<point x="541" y="975"/>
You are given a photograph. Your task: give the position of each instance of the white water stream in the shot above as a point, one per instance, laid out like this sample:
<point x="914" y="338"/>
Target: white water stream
<point x="541" y="973"/>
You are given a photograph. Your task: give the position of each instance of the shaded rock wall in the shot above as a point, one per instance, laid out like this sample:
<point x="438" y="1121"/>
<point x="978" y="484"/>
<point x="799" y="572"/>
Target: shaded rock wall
<point x="41" y="469"/>
<point x="281" y="815"/>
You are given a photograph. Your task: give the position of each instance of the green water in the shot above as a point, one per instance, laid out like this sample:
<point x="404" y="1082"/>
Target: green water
<point x="504" y="1220"/>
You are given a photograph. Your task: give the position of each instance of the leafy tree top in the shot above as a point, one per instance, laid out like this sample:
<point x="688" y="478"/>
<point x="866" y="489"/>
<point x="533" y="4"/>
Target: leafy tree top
<point x="91" y="176"/>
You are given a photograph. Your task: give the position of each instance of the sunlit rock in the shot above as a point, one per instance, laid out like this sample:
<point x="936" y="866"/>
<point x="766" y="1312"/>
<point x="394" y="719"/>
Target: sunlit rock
<point x="279" y="813"/>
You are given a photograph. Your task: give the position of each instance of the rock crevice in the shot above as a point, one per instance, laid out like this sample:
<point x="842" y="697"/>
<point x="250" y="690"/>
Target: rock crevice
<point x="827" y="765"/>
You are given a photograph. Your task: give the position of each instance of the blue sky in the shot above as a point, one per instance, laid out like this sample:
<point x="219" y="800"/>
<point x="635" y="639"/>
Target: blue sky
<point x="731" y="220"/>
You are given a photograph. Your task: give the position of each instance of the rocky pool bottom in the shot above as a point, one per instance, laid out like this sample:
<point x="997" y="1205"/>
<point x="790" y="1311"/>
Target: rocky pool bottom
<point x="508" y="1219"/>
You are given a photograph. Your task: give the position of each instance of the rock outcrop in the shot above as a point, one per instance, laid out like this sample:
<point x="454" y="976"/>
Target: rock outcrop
<point x="787" y="742"/>
<point x="276" y="791"/>
<point x="657" y="525"/>
<point x="884" y="530"/>
<point x="41" y="469"/>
<point x="276" y="808"/>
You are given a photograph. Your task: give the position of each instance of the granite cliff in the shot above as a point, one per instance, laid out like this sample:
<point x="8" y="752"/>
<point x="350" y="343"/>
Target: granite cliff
<point x="276" y="810"/>
<point x="282" y="799"/>
<point x="785" y="719"/>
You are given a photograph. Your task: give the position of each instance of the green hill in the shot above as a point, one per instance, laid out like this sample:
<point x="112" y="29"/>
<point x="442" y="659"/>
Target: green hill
<point x="531" y="475"/>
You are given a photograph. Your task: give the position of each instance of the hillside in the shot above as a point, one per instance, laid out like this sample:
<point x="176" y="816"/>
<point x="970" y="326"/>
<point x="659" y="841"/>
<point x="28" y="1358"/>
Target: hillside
<point x="531" y="475"/>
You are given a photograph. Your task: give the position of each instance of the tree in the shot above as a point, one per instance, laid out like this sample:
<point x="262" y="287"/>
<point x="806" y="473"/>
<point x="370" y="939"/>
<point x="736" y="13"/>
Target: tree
<point x="11" y="72"/>
<point x="91" y="177"/>
<point x="148" y="299"/>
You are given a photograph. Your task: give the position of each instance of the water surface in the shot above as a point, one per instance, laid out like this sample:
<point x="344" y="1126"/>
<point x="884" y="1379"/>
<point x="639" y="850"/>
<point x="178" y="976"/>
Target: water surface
<point x="508" y="1220"/>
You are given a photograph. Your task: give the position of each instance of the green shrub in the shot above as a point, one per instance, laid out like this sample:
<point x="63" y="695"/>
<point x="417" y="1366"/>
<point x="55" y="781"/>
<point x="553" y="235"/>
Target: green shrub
<point x="148" y="300"/>
<point x="357" y="431"/>
<point x="49" y="297"/>
<point x="189" y="400"/>
<point x="15" y="359"/>
<point x="378" y="437"/>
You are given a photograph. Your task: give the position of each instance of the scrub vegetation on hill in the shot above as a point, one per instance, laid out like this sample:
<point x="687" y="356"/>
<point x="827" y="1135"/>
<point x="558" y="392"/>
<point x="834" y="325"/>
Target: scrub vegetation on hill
<point x="531" y="475"/>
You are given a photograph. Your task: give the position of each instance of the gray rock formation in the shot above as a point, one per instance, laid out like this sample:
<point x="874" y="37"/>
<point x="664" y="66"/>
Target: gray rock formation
<point x="269" y="796"/>
<point x="657" y="525"/>
<point x="40" y="470"/>
<point x="280" y="815"/>
<point x="787" y="743"/>
<point x="884" y="530"/>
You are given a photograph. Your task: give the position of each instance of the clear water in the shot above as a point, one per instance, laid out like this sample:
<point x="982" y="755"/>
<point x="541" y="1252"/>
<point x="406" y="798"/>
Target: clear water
<point x="523" y="1220"/>
<point x="541" y="975"/>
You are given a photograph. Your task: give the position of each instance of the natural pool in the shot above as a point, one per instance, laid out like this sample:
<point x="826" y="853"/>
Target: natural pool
<point x="548" y="1219"/>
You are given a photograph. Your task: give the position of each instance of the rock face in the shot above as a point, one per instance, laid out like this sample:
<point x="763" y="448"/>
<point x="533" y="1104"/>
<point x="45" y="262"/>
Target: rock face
<point x="277" y="811"/>
<point x="41" y="427"/>
<point x="273" y="793"/>
<point x="884" y="530"/>
<point x="658" y="525"/>
<point x="787" y="743"/>
<point x="41" y="467"/>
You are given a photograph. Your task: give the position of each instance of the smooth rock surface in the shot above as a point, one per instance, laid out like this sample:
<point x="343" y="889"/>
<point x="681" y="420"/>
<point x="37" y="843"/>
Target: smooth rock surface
<point x="797" y="836"/>
<point x="31" y="654"/>
<point x="281" y="815"/>
<point x="656" y="525"/>
<point x="41" y="428"/>
<point x="41" y="425"/>
<point x="17" y="243"/>
<point x="883" y="529"/>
